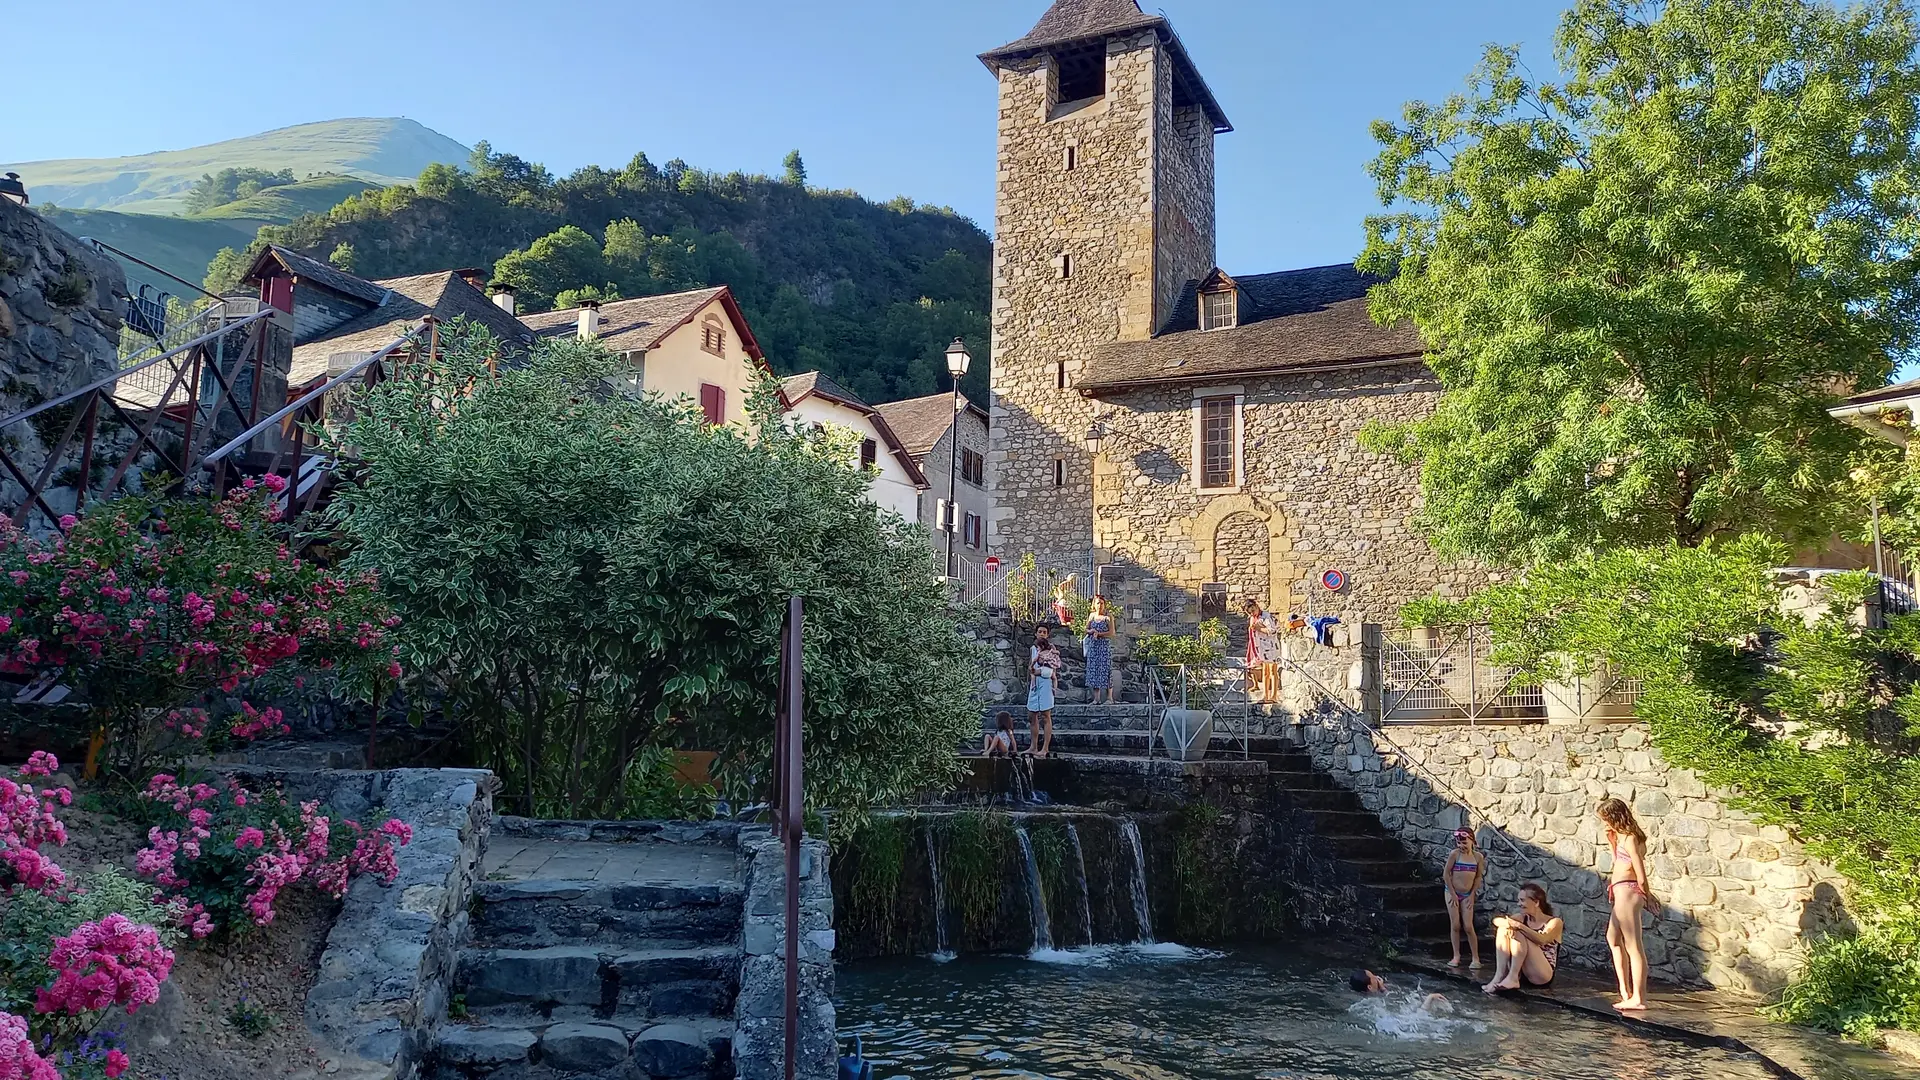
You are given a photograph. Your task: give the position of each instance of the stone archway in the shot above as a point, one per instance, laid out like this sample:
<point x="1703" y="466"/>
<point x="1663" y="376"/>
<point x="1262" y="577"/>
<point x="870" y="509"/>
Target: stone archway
<point x="1232" y="512"/>
<point x="1241" y="559"/>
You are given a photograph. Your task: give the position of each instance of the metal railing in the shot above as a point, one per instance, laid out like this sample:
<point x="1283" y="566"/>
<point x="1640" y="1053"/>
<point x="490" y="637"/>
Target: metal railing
<point x="201" y="381"/>
<point x="789" y="806"/>
<point x="1442" y="674"/>
<point x="1221" y="690"/>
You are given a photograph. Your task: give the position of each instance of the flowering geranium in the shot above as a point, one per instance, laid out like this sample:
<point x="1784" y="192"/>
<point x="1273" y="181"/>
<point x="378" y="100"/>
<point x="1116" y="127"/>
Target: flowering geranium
<point x="27" y="823"/>
<point x="109" y="962"/>
<point x="151" y="604"/>
<point x="18" y="1059"/>
<point x="222" y="855"/>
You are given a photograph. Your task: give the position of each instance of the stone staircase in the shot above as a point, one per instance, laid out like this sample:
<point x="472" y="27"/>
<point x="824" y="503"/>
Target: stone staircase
<point x="597" y="958"/>
<point x="1383" y="877"/>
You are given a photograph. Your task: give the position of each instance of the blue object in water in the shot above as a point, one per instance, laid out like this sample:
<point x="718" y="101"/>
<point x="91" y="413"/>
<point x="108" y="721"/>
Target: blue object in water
<point x="856" y="1066"/>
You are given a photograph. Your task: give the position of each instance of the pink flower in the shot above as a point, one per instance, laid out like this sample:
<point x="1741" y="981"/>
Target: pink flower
<point x="40" y="763"/>
<point x="18" y="1061"/>
<point x="273" y="483"/>
<point x="116" y="1064"/>
<point x="113" y="961"/>
<point x="20" y="577"/>
<point x="67" y="522"/>
<point x="250" y="837"/>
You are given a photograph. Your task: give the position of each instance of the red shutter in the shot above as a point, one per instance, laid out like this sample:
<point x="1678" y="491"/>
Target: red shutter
<point x="713" y="402"/>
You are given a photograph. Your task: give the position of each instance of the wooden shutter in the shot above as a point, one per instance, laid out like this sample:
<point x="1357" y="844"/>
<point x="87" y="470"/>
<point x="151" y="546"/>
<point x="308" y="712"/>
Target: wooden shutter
<point x="713" y="402"/>
<point x="869" y="453"/>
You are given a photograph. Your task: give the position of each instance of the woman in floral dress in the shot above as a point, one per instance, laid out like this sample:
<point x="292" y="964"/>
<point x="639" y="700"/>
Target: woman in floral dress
<point x="1099" y="648"/>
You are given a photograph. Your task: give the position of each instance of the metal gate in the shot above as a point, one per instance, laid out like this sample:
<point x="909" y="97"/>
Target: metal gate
<point x="1440" y="674"/>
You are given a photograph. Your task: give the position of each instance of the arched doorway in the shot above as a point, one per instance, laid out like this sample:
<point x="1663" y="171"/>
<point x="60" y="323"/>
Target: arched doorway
<point x="1242" y="559"/>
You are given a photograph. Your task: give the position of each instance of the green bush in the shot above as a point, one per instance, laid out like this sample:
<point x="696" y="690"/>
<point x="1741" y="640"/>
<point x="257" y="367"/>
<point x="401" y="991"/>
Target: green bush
<point x="1859" y="983"/>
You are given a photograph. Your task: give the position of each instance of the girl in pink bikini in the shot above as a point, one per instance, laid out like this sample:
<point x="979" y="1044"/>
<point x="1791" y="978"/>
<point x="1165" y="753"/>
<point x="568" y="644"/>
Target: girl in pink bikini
<point x="1628" y="894"/>
<point x="1466" y="867"/>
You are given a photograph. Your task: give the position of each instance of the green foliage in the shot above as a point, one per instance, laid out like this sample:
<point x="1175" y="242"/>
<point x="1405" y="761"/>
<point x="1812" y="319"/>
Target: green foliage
<point x="828" y="280"/>
<point x="248" y="1019"/>
<point x="1808" y="722"/>
<point x="225" y="271"/>
<point x="1201" y="912"/>
<point x="1433" y="610"/>
<point x="1859" y="984"/>
<point x="342" y="257"/>
<point x="975" y="850"/>
<point x="584" y="575"/>
<point x="878" y="850"/>
<point x="1021" y="589"/>
<point x="796" y="173"/>
<point x="232" y="185"/>
<point x="30" y="921"/>
<point x="1205" y="649"/>
<point x="70" y="289"/>
<point x="1642" y="286"/>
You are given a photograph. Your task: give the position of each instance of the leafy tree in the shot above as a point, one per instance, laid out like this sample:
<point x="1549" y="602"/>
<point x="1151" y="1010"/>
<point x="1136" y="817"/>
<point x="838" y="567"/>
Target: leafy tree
<point x="342" y="257"/>
<point x="567" y="298"/>
<point x="1642" y="285"/>
<point x="223" y="273"/>
<point x="231" y="185"/>
<point x="565" y="259"/>
<point x="796" y="169"/>
<point x="585" y="576"/>
<point x="1812" y="725"/>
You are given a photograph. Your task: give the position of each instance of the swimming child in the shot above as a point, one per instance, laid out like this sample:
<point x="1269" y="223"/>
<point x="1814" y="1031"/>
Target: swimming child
<point x="1461" y="880"/>
<point x="1366" y="982"/>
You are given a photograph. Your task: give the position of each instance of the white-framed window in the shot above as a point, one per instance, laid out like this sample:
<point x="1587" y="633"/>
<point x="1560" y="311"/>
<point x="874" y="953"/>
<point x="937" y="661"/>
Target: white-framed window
<point x="1219" y="309"/>
<point x="973" y="535"/>
<point x="1219" y="439"/>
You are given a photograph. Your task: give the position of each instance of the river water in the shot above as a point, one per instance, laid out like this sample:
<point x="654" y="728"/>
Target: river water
<point x="1162" y="1012"/>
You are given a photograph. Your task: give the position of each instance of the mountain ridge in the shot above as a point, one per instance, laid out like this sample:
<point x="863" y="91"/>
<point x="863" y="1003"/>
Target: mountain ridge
<point x="378" y="150"/>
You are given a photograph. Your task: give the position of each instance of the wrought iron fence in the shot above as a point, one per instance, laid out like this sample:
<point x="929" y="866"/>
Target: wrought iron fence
<point x="1438" y="674"/>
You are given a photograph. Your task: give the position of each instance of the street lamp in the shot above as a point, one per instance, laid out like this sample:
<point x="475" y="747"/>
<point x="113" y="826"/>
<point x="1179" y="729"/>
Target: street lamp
<point x="958" y="360"/>
<point x="1094" y="435"/>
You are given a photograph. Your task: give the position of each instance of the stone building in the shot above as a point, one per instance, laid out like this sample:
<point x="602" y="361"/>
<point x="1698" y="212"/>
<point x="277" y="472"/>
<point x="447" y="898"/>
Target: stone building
<point x="927" y="430"/>
<point x="1189" y="432"/>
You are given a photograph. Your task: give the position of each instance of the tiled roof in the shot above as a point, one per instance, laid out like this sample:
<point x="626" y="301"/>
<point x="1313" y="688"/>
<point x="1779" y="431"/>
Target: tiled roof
<point x="319" y="273"/>
<point x="1892" y="392"/>
<point x="921" y="422"/>
<point x="1309" y="318"/>
<point x="638" y="323"/>
<point x="794" y="388"/>
<point x="444" y="294"/>
<point x="1071" y="22"/>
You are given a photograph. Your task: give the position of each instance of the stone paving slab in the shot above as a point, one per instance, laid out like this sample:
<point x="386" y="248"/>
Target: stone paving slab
<point x="1721" y="1018"/>
<point x="511" y="858"/>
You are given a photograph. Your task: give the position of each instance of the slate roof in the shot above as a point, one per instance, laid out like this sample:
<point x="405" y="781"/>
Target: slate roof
<point x="796" y="388"/>
<point x="1311" y="318"/>
<point x="1893" y="392"/>
<point x="319" y="273"/>
<point x="921" y="422"/>
<point x="444" y="294"/>
<point x="1072" y="22"/>
<point x="639" y="323"/>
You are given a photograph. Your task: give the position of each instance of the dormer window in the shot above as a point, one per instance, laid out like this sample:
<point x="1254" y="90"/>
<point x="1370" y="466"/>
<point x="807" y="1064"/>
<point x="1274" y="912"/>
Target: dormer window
<point x="713" y="335"/>
<point x="1219" y="308"/>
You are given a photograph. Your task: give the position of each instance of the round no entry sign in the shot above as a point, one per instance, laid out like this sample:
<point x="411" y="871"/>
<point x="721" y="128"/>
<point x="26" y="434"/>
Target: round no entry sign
<point x="1333" y="580"/>
<point x="993" y="565"/>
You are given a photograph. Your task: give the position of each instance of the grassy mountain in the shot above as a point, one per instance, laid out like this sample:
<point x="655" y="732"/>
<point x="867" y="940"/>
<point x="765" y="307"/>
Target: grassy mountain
<point x="185" y="245"/>
<point x="380" y="151"/>
<point x="870" y="293"/>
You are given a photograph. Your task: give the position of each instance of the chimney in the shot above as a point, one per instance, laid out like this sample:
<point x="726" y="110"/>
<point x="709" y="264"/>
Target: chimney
<point x="473" y="276"/>
<point x="589" y="319"/>
<point x="503" y="297"/>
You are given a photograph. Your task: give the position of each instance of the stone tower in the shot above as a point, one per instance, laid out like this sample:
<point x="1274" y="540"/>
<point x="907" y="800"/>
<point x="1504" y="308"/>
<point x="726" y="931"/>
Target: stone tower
<point x="1104" y="211"/>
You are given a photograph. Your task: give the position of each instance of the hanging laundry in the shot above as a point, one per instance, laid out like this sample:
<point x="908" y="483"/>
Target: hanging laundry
<point x="1322" y="627"/>
<point x="1295" y="622"/>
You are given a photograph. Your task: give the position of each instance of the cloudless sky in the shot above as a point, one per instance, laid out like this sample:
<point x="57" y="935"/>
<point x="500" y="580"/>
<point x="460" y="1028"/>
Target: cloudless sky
<point x="881" y="96"/>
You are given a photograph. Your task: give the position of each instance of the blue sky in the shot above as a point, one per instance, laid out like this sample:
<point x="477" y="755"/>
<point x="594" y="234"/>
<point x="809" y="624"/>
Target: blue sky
<point x="882" y="96"/>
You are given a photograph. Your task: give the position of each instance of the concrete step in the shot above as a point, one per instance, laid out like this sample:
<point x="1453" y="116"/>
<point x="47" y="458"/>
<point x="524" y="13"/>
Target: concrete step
<point x="531" y="914"/>
<point x="668" y="979"/>
<point x="676" y="1048"/>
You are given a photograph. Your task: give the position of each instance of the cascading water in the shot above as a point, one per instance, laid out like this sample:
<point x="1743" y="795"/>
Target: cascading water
<point x="1036" y="896"/>
<point x="1080" y="877"/>
<point x="942" y="952"/>
<point x="1137" y="882"/>
<point x="1020" y="770"/>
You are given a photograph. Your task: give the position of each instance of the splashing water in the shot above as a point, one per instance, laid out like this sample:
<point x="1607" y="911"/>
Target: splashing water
<point x="1036" y="897"/>
<point x="942" y="952"/>
<point x="1137" y="883"/>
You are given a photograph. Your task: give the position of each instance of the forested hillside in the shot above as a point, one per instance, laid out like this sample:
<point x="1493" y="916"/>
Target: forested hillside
<point x="870" y="293"/>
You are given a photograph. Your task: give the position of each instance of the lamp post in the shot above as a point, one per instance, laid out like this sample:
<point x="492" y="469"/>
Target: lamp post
<point x="1096" y="433"/>
<point x="958" y="360"/>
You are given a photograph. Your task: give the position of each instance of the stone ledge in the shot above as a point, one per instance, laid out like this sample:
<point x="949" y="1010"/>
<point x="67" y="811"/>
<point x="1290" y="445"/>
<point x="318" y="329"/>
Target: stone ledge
<point x="616" y="832"/>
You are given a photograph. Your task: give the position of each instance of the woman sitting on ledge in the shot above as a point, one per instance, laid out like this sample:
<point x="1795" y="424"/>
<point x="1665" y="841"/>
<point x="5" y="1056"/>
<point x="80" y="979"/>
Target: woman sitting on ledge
<point x="1527" y="946"/>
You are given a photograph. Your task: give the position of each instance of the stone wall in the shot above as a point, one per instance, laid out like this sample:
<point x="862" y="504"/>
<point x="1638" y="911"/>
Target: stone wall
<point x="759" y="1034"/>
<point x="1316" y="499"/>
<point x="1105" y="214"/>
<point x="1739" y="897"/>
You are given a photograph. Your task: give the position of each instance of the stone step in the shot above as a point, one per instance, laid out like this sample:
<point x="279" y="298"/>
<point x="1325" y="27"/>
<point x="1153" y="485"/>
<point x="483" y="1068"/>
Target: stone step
<point x="531" y="914"/>
<point x="677" y="1048"/>
<point x="664" y="980"/>
<point x="1387" y="871"/>
<point x="1407" y="896"/>
<point x="1328" y="798"/>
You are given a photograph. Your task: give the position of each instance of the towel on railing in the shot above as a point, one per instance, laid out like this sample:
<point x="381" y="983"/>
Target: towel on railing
<point x="1322" y="628"/>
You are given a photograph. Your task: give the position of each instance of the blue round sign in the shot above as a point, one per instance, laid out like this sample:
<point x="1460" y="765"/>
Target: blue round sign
<point x="1334" y="580"/>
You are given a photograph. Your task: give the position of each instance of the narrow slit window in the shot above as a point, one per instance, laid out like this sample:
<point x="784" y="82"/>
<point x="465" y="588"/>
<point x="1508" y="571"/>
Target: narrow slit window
<point x="1218" y="468"/>
<point x="1059" y="472"/>
<point x="1066" y="265"/>
<point x="1072" y="158"/>
<point x="1060" y="375"/>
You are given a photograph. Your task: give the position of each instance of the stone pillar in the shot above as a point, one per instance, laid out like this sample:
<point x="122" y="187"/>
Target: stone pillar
<point x="759" y="1036"/>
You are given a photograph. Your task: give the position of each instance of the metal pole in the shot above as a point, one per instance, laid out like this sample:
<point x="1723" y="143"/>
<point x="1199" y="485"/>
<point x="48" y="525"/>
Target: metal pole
<point x="1879" y="560"/>
<point x="953" y="474"/>
<point x="792" y="813"/>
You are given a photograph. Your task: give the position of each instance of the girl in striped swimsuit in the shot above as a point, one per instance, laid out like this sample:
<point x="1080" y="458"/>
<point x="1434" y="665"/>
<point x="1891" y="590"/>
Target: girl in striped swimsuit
<point x="1628" y="894"/>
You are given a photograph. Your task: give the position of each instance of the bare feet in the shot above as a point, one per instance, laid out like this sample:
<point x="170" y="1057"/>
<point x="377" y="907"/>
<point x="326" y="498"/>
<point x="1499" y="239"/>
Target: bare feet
<point x="1490" y="988"/>
<point x="1455" y="962"/>
<point x="1631" y="1006"/>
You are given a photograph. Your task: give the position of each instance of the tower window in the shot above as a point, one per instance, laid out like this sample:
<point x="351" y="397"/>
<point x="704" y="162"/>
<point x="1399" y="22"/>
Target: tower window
<point x="1219" y="309"/>
<point x="1059" y="472"/>
<point x="1072" y="158"/>
<point x="1082" y="72"/>
<point x="1065" y="262"/>
<point x="1060" y="375"/>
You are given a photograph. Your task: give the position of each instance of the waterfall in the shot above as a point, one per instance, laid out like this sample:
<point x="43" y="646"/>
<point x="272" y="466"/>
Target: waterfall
<point x="1137" y="883"/>
<point x="941" y="951"/>
<point x="1080" y="876"/>
<point x="1036" y="895"/>
<point x="1020" y="772"/>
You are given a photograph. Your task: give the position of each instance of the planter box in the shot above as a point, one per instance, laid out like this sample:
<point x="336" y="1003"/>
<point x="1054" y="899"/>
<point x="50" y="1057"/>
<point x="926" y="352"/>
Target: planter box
<point x="1186" y="733"/>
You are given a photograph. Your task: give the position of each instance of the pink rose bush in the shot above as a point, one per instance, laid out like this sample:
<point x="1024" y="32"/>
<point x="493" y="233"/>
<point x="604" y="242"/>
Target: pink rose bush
<point x="18" y="1060"/>
<point x="112" y="962"/>
<point x="221" y="855"/>
<point x="27" y="823"/>
<point x="149" y="605"/>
